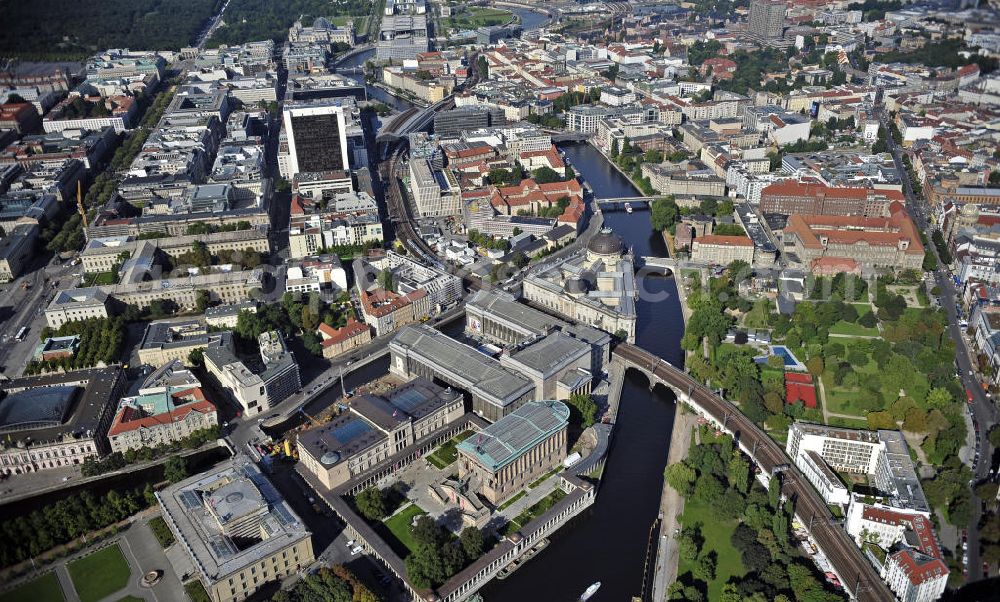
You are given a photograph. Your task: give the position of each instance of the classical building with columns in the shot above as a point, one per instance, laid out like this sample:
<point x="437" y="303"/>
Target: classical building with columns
<point x="596" y="288"/>
<point x="503" y="458"/>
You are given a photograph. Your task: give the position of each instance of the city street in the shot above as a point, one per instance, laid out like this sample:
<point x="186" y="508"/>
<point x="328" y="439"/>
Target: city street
<point x="22" y="307"/>
<point x="984" y="412"/>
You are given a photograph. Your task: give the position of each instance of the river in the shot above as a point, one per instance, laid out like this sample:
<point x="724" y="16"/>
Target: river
<point x="529" y="20"/>
<point x="608" y="542"/>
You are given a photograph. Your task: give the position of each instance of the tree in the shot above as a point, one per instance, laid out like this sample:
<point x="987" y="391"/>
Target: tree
<point x="994" y="436"/>
<point x="689" y="542"/>
<point x="739" y="472"/>
<point x="774" y="492"/>
<point x="583" y="409"/>
<point x="197" y="357"/>
<point x="880" y="420"/>
<point x="680" y="476"/>
<point x="546" y="175"/>
<point x="386" y="280"/>
<point x="371" y="504"/>
<point x="202" y="300"/>
<point x="705" y="568"/>
<point x="483" y="67"/>
<point x="664" y="213"/>
<point x="472" y="542"/>
<point x="175" y="469"/>
<point x="815" y="366"/>
<point x="614" y="149"/>
<point x="939" y="398"/>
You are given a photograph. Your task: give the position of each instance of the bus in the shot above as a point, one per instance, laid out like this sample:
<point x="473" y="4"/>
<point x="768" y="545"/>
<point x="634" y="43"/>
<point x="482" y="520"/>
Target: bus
<point x="22" y="333"/>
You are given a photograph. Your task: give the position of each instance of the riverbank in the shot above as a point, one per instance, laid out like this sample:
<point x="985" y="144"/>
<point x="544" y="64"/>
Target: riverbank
<point x="638" y="189"/>
<point x="672" y="505"/>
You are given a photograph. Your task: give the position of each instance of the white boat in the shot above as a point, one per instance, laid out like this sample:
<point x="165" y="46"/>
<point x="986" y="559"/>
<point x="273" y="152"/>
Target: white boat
<point x="628" y="208"/>
<point x="590" y="591"/>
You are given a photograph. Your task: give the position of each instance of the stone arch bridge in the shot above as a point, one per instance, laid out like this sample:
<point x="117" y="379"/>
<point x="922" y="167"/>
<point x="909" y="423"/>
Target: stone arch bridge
<point x="850" y="566"/>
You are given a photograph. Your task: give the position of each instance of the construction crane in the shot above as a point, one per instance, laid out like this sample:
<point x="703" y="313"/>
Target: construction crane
<point x="79" y="205"/>
<point x="314" y="421"/>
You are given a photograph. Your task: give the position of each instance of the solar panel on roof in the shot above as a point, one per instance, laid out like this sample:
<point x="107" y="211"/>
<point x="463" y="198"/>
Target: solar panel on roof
<point x="222" y="547"/>
<point x="190" y="500"/>
<point x="282" y="513"/>
<point x="350" y="431"/>
<point x="408" y="400"/>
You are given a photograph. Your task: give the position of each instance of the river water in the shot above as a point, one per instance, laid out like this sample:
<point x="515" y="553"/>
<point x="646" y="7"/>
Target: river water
<point x="529" y="20"/>
<point x="608" y="542"/>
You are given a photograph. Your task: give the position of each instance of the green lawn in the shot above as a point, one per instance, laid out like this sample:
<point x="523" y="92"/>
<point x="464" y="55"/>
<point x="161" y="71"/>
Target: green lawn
<point x="99" y="279"/>
<point x="842" y="399"/>
<point x="717" y="534"/>
<point x="854" y="423"/>
<point x="196" y="591"/>
<point x="511" y="501"/>
<point x="162" y="532"/>
<point x="474" y="17"/>
<point x="41" y="589"/>
<point x="131" y="599"/>
<point x="539" y="508"/>
<point x="399" y="525"/>
<point x="853" y="329"/>
<point x="448" y="452"/>
<point x="542" y="478"/>
<point x="100" y="574"/>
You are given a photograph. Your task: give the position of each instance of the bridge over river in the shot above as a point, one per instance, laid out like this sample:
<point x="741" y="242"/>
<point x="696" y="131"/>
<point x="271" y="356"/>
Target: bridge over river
<point x="851" y="567"/>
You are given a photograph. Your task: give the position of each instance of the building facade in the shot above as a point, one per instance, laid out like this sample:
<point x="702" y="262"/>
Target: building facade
<point x="502" y="459"/>
<point x="236" y="530"/>
<point x="374" y="428"/>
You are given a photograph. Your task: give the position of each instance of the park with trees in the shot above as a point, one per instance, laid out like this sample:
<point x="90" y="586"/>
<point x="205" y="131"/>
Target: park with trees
<point x="101" y="342"/>
<point x="883" y="364"/>
<point x="736" y="542"/>
<point x="295" y="313"/>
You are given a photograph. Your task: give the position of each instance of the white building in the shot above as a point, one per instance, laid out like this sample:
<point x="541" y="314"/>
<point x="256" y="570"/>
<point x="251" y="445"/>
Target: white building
<point x="317" y="138"/>
<point x="435" y="191"/>
<point x="882" y="455"/>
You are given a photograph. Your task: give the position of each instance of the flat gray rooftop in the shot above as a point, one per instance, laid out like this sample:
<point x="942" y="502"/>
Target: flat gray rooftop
<point x="506" y="439"/>
<point x="216" y="555"/>
<point x="467" y="367"/>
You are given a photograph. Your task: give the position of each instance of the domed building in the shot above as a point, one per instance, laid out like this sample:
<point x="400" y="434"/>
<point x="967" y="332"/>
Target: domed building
<point x="595" y="286"/>
<point x="605" y="246"/>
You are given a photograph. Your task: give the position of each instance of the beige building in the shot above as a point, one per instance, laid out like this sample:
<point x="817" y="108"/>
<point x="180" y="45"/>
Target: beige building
<point x="722" y="250"/>
<point x="166" y="341"/>
<point x="16" y="250"/>
<point x="386" y="311"/>
<point x="338" y="341"/>
<point x="236" y="529"/>
<point x="502" y="459"/>
<point x="256" y="392"/>
<point x="597" y="288"/>
<point x="430" y="90"/>
<point x="168" y="407"/>
<point x="672" y="181"/>
<point x="76" y="304"/>
<point x="102" y="254"/>
<point x="873" y="243"/>
<point x="375" y="428"/>
<point x="57" y="420"/>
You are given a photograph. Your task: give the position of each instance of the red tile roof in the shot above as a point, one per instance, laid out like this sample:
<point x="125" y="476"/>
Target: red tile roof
<point x="332" y="336"/>
<point x="725" y="241"/>
<point x="794" y="188"/>
<point x="846" y="230"/>
<point x="130" y="418"/>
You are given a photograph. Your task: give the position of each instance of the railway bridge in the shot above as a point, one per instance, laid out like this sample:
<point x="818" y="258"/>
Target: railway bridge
<point x="854" y="571"/>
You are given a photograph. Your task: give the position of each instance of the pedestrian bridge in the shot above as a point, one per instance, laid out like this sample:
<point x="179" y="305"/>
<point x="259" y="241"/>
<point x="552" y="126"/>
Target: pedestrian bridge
<point x="850" y="566"/>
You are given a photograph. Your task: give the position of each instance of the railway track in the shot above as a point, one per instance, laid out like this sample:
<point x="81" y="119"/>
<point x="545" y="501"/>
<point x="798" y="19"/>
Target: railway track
<point x="859" y="575"/>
